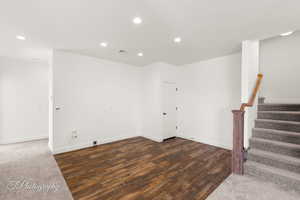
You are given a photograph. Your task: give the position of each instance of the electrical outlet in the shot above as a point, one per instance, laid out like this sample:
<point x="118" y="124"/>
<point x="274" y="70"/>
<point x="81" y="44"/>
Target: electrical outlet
<point x="74" y="134"/>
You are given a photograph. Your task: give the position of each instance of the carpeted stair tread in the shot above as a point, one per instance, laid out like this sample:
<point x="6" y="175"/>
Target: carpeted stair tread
<point x="281" y="112"/>
<point x="278" y="121"/>
<point x="279" y="176"/>
<point x="279" y="115"/>
<point x="292" y="126"/>
<point x="276" y="156"/>
<point x="278" y="107"/>
<point x="282" y="144"/>
<point x="286" y="179"/>
<point x="275" y="160"/>
<point x="279" y="104"/>
<point x="276" y="147"/>
<point x="274" y="131"/>
<point x="277" y="135"/>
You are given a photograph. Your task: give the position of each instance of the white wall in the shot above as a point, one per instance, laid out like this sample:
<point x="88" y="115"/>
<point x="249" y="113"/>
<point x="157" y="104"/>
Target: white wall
<point x="151" y="103"/>
<point x="249" y="72"/>
<point x="97" y="98"/>
<point x="51" y="103"/>
<point x="208" y="91"/>
<point x="154" y="76"/>
<point x="23" y="100"/>
<point x="280" y="64"/>
<point x="107" y="101"/>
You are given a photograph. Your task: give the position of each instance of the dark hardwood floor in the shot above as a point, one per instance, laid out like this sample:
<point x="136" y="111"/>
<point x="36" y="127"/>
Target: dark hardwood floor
<point x="140" y="169"/>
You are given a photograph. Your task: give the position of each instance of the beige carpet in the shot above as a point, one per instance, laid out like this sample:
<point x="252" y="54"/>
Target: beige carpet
<point x="248" y="188"/>
<point x="29" y="171"/>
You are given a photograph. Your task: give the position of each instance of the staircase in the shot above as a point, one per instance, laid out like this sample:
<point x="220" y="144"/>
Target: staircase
<point x="274" y="153"/>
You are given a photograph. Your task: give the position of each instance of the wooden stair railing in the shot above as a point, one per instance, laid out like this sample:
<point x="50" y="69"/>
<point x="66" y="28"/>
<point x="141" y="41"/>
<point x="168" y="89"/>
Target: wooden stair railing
<point x="238" y="131"/>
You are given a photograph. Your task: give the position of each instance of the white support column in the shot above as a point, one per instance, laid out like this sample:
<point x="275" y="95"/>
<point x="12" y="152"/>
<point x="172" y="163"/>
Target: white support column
<point x="250" y="69"/>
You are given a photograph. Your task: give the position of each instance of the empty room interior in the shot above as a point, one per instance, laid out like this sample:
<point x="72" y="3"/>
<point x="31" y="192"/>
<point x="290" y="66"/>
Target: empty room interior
<point x="149" y="100"/>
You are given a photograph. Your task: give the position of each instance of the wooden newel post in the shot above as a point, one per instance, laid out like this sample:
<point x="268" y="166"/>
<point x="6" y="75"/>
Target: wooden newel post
<point x="238" y="142"/>
<point x="238" y="131"/>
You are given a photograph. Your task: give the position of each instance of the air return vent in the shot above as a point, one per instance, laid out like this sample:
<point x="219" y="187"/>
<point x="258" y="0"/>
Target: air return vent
<point x="121" y="51"/>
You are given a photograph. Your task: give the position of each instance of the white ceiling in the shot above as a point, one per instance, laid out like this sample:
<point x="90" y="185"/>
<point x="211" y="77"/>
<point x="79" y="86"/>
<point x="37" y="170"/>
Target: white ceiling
<point x="208" y="28"/>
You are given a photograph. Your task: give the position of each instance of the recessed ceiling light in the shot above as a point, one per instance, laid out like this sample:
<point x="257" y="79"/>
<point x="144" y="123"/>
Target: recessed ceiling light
<point x="137" y="20"/>
<point x="177" y="39"/>
<point x="140" y="54"/>
<point x="103" y="44"/>
<point x="287" y="33"/>
<point x="20" y="37"/>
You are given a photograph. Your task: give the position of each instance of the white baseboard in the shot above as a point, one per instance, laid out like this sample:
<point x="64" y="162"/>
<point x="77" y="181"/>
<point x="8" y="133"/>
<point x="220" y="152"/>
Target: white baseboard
<point x="82" y="145"/>
<point x="50" y="147"/>
<point x="58" y="150"/>
<point x="155" y="139"/>
<point x="24" y="139"/>
<point x="207" y="142"/>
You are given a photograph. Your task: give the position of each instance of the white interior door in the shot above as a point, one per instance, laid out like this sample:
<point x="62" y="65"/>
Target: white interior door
<point x="169" y="110"/>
